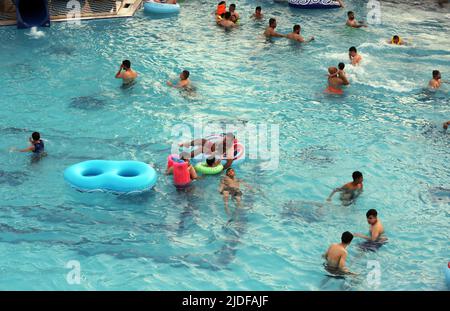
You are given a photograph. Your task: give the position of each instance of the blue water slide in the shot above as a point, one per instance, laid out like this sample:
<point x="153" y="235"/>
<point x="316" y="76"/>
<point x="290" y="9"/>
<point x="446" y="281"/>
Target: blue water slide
<point x="32" y="13"/>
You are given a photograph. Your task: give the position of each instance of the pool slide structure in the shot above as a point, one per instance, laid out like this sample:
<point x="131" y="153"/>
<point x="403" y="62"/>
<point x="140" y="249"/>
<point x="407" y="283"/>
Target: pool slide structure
<point x="32" y="13"/>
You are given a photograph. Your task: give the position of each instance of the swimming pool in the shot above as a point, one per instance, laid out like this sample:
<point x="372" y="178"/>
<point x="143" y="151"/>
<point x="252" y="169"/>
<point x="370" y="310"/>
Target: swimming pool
<point x="386" y="125"/>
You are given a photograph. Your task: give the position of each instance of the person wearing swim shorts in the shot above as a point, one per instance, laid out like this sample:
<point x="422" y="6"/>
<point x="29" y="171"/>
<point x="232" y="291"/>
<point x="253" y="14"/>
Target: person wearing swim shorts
<point x="355" y="58"/>
<point x="296" y="36"/>
<point x="435" y="82"/>
<point x="270" y="31"/>
<point x="336" y="79"/>
<point x="224" y="148"/>
<point x="446" y="124"/>
<point x="184" y="80"/>
<point x="258" y="14"/>
<point x="336" y="255"/>
<point x="234" y="15"/>
<point x="351" y="21"/>
<point x="226" y="21"/>
<point x="125" y="73"/>
<point x="37" y="144"/>
<point x="351" y="190"/>
<point x="185" y="157"/>
<point x="376" y="229"/>
<point x="230" y="186"/>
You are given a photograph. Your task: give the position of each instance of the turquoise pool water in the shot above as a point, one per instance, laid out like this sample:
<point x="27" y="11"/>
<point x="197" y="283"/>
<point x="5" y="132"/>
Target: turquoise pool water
<point x="386" y="125"/>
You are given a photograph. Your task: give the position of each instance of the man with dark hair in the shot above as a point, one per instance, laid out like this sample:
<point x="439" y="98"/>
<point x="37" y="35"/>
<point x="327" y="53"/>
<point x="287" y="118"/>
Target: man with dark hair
<point x="351" y="21"/>
<point x="350" y="191"/>
<point x="184" y="80"/>
<point x="336" y="254"/>
<point x="258" y="14"/>
<point x="446" y="124"/>
<point x="355" y="58"/>
<point x="296" y="36"/>
<point x="37" y="144"/>
<point x="270" y="31"/>
<point x="376" y="229"/>
<point x="435" y="83"/>
<point x="230" y="186"/>
<point x="125" y="73"/>
<point x="212" y="161"/>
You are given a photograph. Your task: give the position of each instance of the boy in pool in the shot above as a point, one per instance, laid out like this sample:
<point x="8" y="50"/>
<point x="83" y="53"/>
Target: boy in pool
<point x="355" y="58"/>
<point x="125" y="73"/>
<point x="37" y="144"/>
<point x="376" y="229"/>
<point x="336" y="255"/>
<point x="351" y="21"/>
<point x="336" y="79"/>
<point x="351" y="190"/>
<point x="296" y="36"/>
<point x="212" y="161"/>
<point x="270" y="31"/>
<point x="396" y="40"/>
<point x="435" y="83"/>
<point x="230" y="186"/>
<point x="234" y="15"/>
<point x="184" y="80"/>
<point x="258" y="14"/>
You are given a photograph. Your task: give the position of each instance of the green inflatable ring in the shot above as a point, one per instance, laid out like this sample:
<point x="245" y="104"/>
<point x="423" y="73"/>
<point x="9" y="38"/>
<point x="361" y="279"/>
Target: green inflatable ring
<point x="206" y="170"/>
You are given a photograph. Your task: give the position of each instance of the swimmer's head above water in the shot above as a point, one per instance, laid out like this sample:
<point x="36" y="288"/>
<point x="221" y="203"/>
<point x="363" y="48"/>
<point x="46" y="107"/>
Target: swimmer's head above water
<point x="372" y="216"/>
<point x="357" y="177"/>
<point x="126" y="64"/>
<point x="352" y="51"/>
<point x="332" y="72"/>
<point x="346" y="238"/>
<point x="436" y="74"/>
<point x="341" y="66"/>
<point x="230" y="172"/>
<point x="184" y="75"/>
<point x="297" y="29"/>
<point x="351" y="15"/>
<point x="273" y="23"/>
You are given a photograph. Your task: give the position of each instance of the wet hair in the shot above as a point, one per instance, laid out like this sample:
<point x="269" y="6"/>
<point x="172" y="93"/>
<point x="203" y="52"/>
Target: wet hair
<point x="346" y="237"/>
<point x="272" y="21"/>
<point x="227" y="15"/>
<point x="228" y="170"/>
<point x="396" y="37"/>
<point x="436" y="73"/>
<point x="352" y="49"/>
<point x="356" y="175"/>
<point x="372" y="212"/>
<point x="36" y="136"/>
<point x="210" y="161"/>
<point x="258" y="8"/>
<point x="186" y="74"/>
<point x="222" y="2"/>
<point x="233" y="6"/>
<point x="349" y="13"/>
<point x="341" y="66"/>
<point x="127" y="64"/>
<point x="296" y="27"/>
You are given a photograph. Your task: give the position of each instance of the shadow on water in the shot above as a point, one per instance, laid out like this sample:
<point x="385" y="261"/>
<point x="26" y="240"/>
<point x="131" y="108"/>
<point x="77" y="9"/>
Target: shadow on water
<point x="306" y="211"/>
<point x="87" y="103"/>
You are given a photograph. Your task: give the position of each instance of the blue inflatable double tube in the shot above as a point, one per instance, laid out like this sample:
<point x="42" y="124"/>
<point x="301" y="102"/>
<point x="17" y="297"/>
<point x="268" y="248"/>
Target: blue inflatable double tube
<point x="114" y="176"/>
<point x="32" y="13"/>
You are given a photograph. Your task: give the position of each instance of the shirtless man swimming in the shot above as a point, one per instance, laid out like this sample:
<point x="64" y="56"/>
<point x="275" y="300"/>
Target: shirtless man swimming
<point x="296" y="36"/>
<point x="230" y="186"/>
<point x="355" y="58"/>
<point x="258" y="14"/>
<point x="336" y="79"/>
<point x="336" y="254"/>
<point x="351" y="21"/>
<point x="376" y="229"/>
<point x="351" y="190"/>
<point x="234" y="14"/>
<point x="270" y="31"/>
<point x="435" y="83"/>
<point x="125" y="73"/>
<point x="184" y="80"/>
<point x="226" y="21"/>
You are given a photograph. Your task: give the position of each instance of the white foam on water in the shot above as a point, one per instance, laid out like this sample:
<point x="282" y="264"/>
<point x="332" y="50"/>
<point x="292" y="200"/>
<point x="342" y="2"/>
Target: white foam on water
<point x="35" y="33"/>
